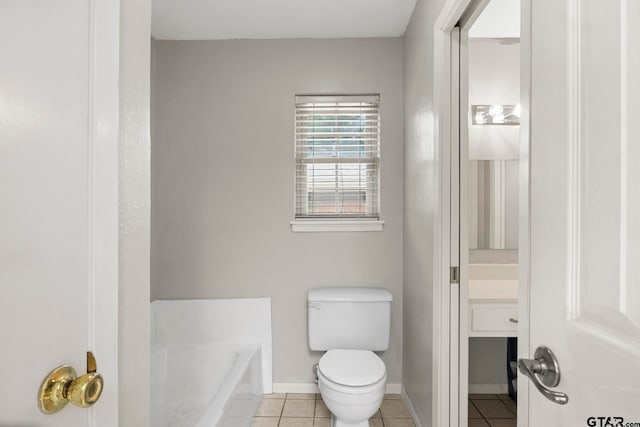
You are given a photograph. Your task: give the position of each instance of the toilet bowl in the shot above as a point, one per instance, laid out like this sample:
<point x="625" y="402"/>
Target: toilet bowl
<point x="352" y="384"/>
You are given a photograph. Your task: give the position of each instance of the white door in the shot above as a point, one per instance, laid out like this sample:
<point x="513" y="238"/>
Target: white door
<point x="58" y="202"/>
<point x="585" y="209"/>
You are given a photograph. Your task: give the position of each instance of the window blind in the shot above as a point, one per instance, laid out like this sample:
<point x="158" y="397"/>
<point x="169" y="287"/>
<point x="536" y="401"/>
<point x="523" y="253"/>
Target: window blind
<point x="337" y="151"/>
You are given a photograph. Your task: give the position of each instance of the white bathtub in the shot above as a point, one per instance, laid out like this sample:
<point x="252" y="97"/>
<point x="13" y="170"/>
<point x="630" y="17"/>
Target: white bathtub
<point x="204" y="385"/>
<point x="210" y="361"/>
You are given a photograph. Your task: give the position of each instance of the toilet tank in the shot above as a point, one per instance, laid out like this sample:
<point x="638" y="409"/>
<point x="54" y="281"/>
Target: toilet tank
<point x="349" y="318"/>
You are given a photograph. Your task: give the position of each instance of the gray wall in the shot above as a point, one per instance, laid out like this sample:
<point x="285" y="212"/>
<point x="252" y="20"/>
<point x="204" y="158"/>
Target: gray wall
<point x="134" y="206"/>
<point x="488" y="360"/>
<point x="222" y="181"/>
<point x="419" y="207"/>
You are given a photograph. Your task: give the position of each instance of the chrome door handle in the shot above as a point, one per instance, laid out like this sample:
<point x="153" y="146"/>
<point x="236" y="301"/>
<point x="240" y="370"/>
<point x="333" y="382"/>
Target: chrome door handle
<point x="543" y="370"/>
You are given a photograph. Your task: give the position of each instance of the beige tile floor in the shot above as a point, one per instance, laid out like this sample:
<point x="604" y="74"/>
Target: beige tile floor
<point x="308" y="410"/>
<point x="492" y="410"/>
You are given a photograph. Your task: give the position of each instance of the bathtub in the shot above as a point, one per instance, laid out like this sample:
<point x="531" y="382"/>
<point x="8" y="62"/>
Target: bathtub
<point x="204" y="385"/>
<point x="208" y="362"/>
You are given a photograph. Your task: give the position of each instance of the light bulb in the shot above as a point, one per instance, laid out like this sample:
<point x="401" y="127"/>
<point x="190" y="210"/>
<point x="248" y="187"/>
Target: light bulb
<point x="495" y="110"/>
<point x="498" y="118"/>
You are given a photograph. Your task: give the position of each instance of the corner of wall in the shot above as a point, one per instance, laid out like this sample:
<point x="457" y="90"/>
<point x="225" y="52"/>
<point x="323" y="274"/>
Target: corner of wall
<point x="134" y="207"/>
<point x="420" y="208"/>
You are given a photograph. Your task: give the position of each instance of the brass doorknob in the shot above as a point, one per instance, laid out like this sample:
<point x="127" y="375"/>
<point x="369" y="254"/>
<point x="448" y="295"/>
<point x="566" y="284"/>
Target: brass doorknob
<point x="62" y="386"/>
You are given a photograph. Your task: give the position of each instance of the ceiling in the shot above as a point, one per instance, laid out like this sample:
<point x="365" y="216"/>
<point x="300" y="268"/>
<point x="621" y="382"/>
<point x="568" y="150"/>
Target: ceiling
<point x="279" y="19"/>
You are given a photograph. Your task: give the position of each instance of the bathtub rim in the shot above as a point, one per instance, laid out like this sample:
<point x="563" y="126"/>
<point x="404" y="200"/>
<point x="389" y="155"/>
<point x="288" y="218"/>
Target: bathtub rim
<point x="251" y="315"/>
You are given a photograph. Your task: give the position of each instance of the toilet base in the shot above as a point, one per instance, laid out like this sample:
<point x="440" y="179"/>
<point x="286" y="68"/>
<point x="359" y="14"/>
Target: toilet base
<point x="338" y="423"/>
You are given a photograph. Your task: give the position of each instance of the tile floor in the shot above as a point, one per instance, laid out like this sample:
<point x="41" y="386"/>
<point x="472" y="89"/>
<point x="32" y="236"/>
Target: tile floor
<point x="492" y="410"/>
<point x="308" y="410"/>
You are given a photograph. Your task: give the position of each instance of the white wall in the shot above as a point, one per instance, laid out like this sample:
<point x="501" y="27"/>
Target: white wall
<point x="134" y="235"/>
<point x="500" y="18"/>
<point x="222" y="181"/>
<point x="420" y="205"/>
<point x="494" y="78"/>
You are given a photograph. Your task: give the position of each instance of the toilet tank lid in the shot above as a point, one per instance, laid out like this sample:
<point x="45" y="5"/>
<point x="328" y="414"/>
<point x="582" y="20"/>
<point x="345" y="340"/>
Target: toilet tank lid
<point x="349" y="295"/>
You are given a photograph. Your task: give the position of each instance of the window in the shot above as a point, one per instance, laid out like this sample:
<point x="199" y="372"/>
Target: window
<point x="337" y="151"/>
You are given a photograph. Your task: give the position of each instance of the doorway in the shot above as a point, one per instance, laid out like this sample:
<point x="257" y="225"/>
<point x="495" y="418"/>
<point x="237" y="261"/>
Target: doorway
<point x="490" y="156"/>
<point x="576" y="305"/>
<point x="487" y="192"/>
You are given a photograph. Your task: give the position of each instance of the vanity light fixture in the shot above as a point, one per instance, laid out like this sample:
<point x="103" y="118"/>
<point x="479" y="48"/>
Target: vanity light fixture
<point x="495" y="114"/>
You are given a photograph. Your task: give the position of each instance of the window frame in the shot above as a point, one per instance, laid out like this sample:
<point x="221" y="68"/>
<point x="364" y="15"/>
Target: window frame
<point x="337" y="224"/>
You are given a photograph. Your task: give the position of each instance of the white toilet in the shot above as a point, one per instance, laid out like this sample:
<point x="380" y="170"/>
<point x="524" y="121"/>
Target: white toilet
<point x="350" y="324"/>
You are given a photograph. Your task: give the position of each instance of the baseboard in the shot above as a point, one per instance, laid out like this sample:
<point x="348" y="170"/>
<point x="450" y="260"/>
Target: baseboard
<point x="412" y="411"/>
<point x="313" y="388"/>
<point x="393" y="389"/>
<point x="488" y="389"/>
<point x="295" y="388"/>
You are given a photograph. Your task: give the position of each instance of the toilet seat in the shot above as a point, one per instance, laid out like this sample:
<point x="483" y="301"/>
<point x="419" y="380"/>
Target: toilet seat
<point x="352" y="368"/>
<point x="349" y="389"/>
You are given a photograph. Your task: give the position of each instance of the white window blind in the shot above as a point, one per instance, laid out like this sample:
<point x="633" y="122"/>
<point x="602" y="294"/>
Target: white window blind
<point x="337" y="156"/>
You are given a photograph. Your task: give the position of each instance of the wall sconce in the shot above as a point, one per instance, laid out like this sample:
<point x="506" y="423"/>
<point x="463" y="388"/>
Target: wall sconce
<point x="503" y="115"/>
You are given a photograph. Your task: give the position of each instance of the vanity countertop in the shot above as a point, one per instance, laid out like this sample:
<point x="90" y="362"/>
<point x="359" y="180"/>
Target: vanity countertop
<point x="493" y="282"/>
<point x="494" y="290"/>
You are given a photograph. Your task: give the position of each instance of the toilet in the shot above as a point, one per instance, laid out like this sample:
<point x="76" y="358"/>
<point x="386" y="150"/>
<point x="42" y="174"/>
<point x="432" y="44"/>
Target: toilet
<point x="349" y="324"/>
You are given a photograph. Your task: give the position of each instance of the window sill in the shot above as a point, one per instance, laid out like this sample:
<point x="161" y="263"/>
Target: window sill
<point x="331" y="225"/>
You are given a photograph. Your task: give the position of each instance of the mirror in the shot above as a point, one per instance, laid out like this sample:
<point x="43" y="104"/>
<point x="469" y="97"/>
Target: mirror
<point x="493" y="204"/>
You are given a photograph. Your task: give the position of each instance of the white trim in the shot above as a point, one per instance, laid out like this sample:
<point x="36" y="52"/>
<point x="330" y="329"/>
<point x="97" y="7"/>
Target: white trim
<point x="488" y="388"/>
<point x="327" y="225"/>
<point x="575" y="164"/>
<point x="455" y="170"/>
<point x="301" y="98"/>
<point x="441" y="262"/>
<point x="412" y="410"/>
<point x="463" y="170"/>
<point x="449" y="16"/>
<point x="295" y="388"/>
<point x="309" y="388"/>
<point x="524" y="227"/>
<point x="103" y="179"/>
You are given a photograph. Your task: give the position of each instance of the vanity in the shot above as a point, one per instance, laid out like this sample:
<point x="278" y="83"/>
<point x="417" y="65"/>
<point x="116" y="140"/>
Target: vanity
<point x="493" y="300"/>
<point x="493" y="320"/>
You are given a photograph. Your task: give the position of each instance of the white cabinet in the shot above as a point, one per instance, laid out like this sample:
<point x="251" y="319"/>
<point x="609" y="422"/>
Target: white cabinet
<point x="493" y="319"/>
<point x="493" y="300"/>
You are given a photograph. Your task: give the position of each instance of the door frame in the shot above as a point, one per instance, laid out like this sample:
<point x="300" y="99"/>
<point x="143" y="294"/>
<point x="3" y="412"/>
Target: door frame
<point x="446" y="355"/>
<point x="103" y="215"/>
<point x="450" y="363"/>
<point x="524" y="223"/>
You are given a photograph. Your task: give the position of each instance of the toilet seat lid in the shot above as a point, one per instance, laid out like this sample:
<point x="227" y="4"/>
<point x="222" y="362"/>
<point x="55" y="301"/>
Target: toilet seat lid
<point x="352" y="367"/>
